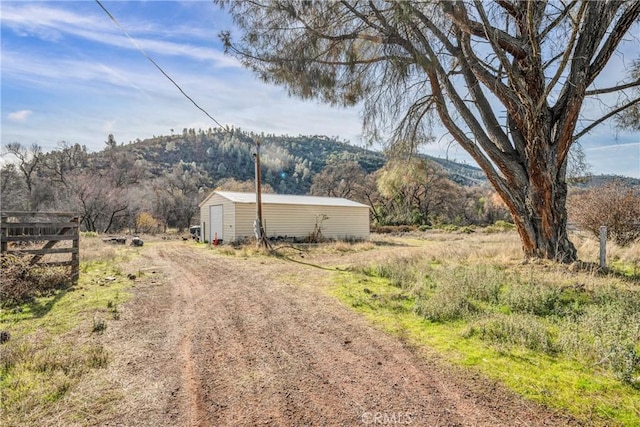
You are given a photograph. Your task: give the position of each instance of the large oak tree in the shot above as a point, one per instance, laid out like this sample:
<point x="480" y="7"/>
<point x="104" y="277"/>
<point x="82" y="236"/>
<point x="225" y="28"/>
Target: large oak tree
<point x="509" y="80"/>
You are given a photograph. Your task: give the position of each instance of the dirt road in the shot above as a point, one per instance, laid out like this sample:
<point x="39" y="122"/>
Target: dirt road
<point x="213" y="340"/>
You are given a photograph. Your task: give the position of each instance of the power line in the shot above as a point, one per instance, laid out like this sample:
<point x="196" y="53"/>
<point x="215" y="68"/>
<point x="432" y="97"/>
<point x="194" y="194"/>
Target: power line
<point x="156" y="65"/>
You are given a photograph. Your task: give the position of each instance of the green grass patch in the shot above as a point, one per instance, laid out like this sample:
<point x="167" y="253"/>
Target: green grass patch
<point x="561" y="345"/>
<point x="629" y="269"/>
<point x="53" y="343"/>
<point x="499" y="227"/>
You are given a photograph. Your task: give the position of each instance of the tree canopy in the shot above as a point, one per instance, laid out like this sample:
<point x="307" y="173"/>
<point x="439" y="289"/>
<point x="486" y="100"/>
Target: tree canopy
<point x="510" y="81"/>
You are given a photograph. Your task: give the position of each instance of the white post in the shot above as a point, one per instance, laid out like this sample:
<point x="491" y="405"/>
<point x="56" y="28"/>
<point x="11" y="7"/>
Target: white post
<point x="603" y="246"/>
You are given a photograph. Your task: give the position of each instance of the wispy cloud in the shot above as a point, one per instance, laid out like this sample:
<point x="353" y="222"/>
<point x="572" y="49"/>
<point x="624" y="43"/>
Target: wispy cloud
<point x="613" y="146"/>
<point x="47" y="23"/>
<point x="53" y="24"/>
<point x="19" y="116"/>
<point x="58" y="73"/>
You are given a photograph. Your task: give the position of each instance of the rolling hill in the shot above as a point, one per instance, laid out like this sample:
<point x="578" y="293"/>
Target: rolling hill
<point x="288" y="162"/>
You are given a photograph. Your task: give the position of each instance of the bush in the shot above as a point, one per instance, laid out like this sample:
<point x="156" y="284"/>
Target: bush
<point x="452" y="228"/>
<point x="516" y="329"/>
<point x="99" y="325"/>
<point x="146" y="223"/>
<point x="445" y="305"/>
<point x="533" y="298"/>
<point x="404" y="272"/>
<point x="499" y="227"/>
<point x="606" y="335"/>
<point x="613" y="205"/>
<point x="460" y="292"/>
<point x="21" y="281"/>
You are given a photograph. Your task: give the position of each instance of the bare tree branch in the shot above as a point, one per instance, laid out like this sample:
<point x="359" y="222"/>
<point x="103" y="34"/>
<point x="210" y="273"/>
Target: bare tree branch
<point x="605" y="118"/>
<point x="613" y="88"/>
<point x="500" y="38"/>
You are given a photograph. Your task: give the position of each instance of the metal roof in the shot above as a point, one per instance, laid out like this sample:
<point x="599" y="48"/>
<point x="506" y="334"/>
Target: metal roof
<point x="288" y="199"/>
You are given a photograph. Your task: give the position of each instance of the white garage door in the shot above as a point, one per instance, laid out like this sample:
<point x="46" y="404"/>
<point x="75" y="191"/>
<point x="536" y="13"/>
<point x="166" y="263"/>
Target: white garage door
<point x="215" y="219"/>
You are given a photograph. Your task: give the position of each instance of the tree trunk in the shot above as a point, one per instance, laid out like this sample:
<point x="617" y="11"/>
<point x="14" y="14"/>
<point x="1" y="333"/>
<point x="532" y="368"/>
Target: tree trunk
<point x="542" y="224"/>
<point x="538" y="203"/>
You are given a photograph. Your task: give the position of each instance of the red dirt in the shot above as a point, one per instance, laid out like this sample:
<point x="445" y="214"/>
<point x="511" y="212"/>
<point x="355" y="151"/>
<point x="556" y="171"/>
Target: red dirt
<point x="212" y="340"/>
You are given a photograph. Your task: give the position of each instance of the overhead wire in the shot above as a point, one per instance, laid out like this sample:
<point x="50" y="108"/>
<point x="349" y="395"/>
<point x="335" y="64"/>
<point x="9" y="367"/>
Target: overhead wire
<point x="263" y="238"/>
<point x="115" y="21"/>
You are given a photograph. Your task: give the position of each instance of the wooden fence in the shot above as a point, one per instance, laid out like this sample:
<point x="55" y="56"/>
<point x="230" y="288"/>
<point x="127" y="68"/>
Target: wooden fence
<point x="36" y="234"/>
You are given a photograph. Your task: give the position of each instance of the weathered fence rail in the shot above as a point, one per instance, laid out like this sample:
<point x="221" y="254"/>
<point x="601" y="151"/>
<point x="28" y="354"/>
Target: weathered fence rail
<point x="44" y="229"/>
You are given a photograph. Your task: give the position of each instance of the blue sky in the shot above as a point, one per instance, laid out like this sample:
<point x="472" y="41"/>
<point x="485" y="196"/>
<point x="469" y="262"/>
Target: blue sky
<point x="68" y="73"/>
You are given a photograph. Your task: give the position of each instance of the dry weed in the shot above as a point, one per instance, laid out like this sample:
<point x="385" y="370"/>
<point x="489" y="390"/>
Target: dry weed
<point x="22" y="281"/>
<point x="94" y="249"/>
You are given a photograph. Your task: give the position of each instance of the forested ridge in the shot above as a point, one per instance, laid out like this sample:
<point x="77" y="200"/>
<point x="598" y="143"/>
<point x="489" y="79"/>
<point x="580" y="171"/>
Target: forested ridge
<point x="288" y="162"/>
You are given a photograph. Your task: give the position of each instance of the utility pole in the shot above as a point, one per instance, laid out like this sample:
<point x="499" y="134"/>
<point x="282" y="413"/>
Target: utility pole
<point x="257" y="225"/>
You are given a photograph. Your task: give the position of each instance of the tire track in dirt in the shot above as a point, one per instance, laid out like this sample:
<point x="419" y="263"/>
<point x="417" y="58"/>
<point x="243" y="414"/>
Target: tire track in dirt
<point x="256" y="350"/>
<point x="184" y="294"/>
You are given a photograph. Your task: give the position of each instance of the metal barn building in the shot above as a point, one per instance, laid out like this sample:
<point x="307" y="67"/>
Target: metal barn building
<point x="230" y="216"/>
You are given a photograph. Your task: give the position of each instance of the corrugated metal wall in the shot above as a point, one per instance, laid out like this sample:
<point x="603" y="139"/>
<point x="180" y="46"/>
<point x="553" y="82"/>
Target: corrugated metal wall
<point x="245" y="215"/>
<point x="289" y="220"/>
<point x="300" y="220"/>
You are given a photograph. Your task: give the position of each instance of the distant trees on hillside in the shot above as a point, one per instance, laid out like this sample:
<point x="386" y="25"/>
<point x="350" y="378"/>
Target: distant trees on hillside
<point x="160" y="180"/>
<point x="109" y="189"/>
<point x="340" y="179"/>
<point x="413" y="191"/>
<point x="249" y="186"/>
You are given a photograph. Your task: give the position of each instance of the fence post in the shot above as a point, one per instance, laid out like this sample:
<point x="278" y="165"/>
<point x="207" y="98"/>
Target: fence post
<point x="4" y="231"/>
<point x="75" y="255"/>
<point x="603" y="246"/>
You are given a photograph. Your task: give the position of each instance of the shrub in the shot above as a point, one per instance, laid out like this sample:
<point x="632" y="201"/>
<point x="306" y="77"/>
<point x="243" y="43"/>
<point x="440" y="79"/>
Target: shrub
<point x="532" y="298"/>
<point x="21" y="281"/>
<point x="481" y="283"/>
<point x="606" y="335"/>
<point x="404" y="272"/>
<point x="613" y="205"/>
<point x="452" y="228"/>
<point x="460" y="292"/>
<point x="146" y="223"/>
<point x="445" y="305"/>
<point x="515" y="329"/>
<point x="99" y="325"/>
<point x="467" y="229"/>
<point x="499" y="227"/>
